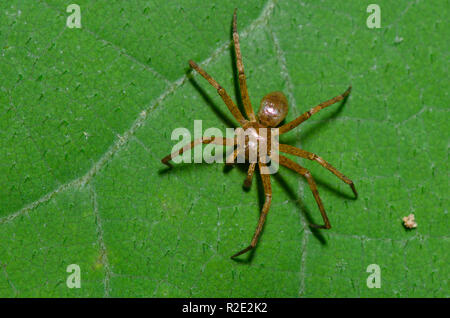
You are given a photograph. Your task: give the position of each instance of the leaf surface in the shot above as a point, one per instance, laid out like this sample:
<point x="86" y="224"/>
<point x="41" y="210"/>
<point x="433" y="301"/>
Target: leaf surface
<point x="87" y="114"/>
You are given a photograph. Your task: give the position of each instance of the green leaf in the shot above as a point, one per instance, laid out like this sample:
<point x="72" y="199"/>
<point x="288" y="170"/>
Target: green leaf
<point x="87" y="114"/>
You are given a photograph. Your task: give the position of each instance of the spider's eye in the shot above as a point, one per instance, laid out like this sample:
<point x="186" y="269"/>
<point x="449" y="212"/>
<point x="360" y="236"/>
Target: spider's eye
<point x="273" y="109"/>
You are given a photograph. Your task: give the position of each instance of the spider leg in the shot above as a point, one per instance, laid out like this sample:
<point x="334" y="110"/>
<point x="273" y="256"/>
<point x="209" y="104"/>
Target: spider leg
<point x="204" y="140"/>
<point x="248" y="180"/>
<point x="291" y="125"/>
<point x="311" y="156"/>
<point x="230" y="160"/>
<point x="288" y="163"/>
<point x="262" y="218"/>
<point x="240" y="67"/>
<point x="223" y="94"/>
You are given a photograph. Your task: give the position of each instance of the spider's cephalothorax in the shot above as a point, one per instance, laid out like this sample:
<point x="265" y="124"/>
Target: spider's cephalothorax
<point x="273" y="110"/>
<point x="255" y="137"/>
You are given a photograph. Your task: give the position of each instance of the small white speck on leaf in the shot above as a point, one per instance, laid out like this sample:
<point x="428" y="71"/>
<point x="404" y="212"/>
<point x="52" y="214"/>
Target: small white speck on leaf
<point x="409" y="221"/>
<point x="398" y="39"/>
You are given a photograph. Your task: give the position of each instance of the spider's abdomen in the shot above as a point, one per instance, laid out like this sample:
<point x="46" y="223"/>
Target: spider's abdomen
<point x="273" y="109"/>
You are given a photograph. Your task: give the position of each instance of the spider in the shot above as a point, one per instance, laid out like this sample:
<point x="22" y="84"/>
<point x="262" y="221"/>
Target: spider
<point x="273" y="110"/>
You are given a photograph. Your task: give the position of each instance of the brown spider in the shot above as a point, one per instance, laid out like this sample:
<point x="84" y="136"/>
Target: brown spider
<point x="273" y="110"/>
